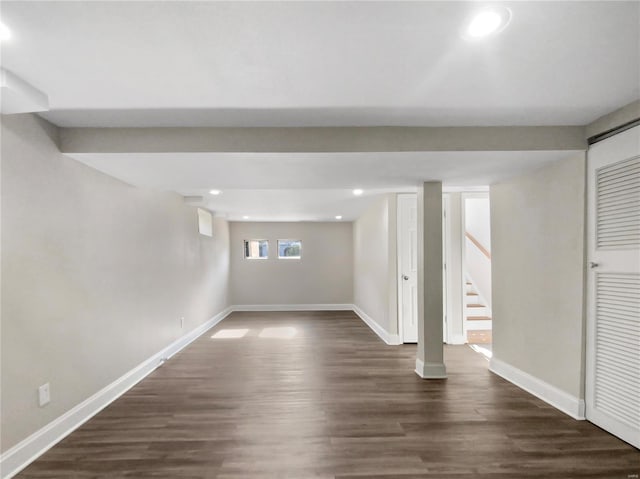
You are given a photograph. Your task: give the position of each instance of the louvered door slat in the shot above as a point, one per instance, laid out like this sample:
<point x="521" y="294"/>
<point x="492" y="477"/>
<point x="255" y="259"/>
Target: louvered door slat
<point x="611" y="217"/>
<point x="606" y="360"/>
<point x="618" y="188"/>
<point x="626" y="344"/>
<point x="621" y="166"/>
<point x="618" y="192"/>
<point x="618" y="290"/>
<point x="620" y="184"/>
<point x="624" y="178"/>
<point x="611" y="303"/>
<point x="617" y="366"/>
<point x="617" y="373"/>
<point x="621" y="233"/>
<point x="615" y="201"/>
<point x="613" y="210"/>
<point x="611" y="332"/>
<point x="627" y="396"/>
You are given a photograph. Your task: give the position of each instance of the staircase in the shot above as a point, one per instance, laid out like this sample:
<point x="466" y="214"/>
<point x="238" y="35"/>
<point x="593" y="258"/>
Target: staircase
<point x="478" y="317"/>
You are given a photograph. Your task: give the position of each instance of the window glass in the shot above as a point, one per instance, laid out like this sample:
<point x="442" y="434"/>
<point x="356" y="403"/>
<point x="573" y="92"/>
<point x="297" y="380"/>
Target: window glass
<point x="256" y="249"/>
<point x="289" y="249"/>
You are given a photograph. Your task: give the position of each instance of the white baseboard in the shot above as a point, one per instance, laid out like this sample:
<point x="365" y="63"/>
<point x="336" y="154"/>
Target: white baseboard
<point x="391" y="339"/>
<point x="29" y="449"/>
<point x="292" y="307"/>
<point x="550" y="394"/>
<point x="431" y="370"/>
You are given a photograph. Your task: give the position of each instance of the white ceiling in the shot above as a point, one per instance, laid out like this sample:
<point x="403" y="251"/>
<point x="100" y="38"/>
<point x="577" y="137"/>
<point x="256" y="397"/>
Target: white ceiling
<point x="160" y="63"/>
<point x="309" y="186"/>
<point x="323" y="63"/>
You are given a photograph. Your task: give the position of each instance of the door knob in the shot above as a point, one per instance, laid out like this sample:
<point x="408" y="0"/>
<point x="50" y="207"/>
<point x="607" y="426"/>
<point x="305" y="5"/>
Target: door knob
<point x="405" y="277"/>
<point x="593" y="265"/>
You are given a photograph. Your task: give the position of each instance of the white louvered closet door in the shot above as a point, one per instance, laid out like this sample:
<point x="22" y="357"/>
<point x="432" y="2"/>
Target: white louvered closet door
<point x="613" y="309"/>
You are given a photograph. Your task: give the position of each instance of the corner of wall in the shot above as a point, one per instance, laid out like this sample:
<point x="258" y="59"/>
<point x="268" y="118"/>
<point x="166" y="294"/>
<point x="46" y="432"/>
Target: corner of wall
<point x="565" y="402"/>
<point x="52" y="130"/>
<point x="389" y="338"/>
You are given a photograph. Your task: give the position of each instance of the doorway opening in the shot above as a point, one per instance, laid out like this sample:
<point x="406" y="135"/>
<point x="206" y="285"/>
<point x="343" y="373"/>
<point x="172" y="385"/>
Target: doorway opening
<point x="466" y="240"/>
<point x="476" y="265"/>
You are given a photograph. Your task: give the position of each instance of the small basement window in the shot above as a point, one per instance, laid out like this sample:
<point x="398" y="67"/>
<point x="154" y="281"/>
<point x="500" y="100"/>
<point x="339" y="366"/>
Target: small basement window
<point x="256" y="249"/>
<point x="289" y="249"/>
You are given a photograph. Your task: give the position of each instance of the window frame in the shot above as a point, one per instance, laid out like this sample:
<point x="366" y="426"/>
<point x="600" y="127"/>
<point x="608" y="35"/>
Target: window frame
<point x="244" y="249"/>
<point x="288" y="257"/>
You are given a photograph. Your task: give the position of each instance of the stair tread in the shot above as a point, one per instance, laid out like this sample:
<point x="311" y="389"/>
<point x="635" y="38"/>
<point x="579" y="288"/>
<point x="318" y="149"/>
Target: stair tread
<point x="476" y="305"/>
<point x="478" y="318"/>
<point x="472" y="294"/>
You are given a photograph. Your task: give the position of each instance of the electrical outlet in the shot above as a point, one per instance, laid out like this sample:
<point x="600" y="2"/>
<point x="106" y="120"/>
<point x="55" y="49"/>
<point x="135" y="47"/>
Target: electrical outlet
<point x="182" y="323"/>
<point x="44" y="395"/>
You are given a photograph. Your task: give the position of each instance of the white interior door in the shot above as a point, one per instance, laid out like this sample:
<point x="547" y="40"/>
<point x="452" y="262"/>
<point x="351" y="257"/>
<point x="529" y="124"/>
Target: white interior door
<point x="613" y="311"/>
<point x="408" y="267"/>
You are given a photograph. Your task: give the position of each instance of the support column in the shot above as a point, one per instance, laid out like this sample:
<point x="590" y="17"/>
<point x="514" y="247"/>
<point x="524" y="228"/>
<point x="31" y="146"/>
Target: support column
<point x="430" y="357"/>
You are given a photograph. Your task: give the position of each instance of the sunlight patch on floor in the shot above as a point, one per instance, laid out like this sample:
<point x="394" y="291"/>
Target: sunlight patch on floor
<point x="285" y="332"/>
<point x="482" y="350"/>
<point x="230" y="333"/>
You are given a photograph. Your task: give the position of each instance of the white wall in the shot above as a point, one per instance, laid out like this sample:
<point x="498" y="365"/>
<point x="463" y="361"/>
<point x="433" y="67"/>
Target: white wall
<point x="375" y="263"/>
<point x="324" y="274"/>
<point x="95" y="276"/>
<point x="537" y="230"/>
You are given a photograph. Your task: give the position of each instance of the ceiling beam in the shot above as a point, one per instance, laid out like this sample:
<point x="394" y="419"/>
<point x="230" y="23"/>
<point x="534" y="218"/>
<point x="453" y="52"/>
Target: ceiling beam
<point x="342" y="139"/>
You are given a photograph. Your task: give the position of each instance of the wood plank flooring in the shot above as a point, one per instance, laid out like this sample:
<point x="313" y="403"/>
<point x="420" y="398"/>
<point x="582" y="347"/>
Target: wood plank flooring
<point x="318" y="395"/>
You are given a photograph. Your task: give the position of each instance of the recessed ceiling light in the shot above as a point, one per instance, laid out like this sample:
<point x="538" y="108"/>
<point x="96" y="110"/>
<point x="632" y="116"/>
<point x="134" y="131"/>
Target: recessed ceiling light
<point x="245" y="217"/>
<point x="5" y="33"/>
<point x="338" y="217"/>
<point x="215" y="192"/>
<point x="487" y="22"/>
<point x="358" y="192"/>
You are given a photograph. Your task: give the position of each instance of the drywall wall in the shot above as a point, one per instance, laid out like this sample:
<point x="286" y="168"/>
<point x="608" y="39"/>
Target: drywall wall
<point x="375" y="263"/>
<point x="537" y="233"/>
<point x="323" y="275"/>
<point x="96" y="275"/>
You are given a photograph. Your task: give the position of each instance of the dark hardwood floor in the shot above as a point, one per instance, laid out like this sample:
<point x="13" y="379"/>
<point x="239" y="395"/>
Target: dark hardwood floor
<point x="328" y="399"/>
